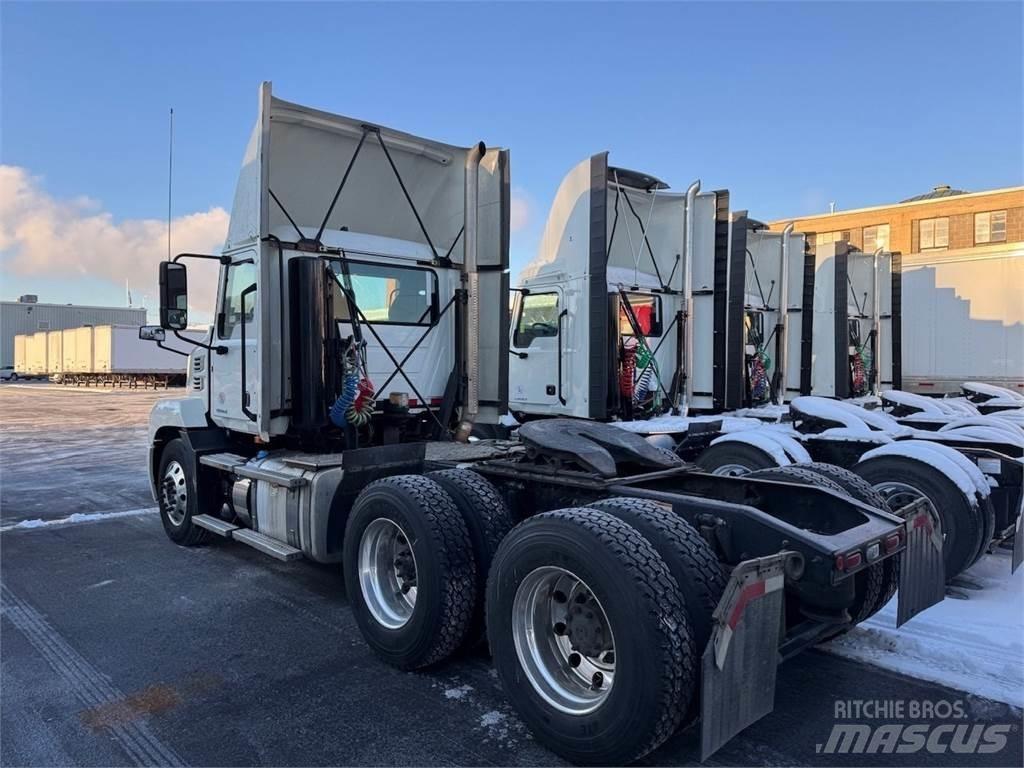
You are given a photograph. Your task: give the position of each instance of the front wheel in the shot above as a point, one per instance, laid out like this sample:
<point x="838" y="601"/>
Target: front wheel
<point x="178" y="494"/>
<point x="590" y="636"/>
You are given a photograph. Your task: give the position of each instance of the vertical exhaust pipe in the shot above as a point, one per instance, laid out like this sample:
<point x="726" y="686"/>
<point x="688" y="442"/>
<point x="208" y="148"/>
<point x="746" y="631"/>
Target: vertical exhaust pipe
<point x="470" y="340"/>
<point x="876" y="323"/>
<point x="782" y="323"/>
<point x="687" y="356"/>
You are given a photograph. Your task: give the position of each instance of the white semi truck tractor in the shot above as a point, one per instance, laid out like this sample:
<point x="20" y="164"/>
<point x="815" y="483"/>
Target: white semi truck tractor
<point x="361" y="338"/>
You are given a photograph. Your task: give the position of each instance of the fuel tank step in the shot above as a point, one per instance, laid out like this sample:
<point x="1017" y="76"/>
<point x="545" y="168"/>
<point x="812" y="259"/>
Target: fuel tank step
<point x="266" y="545"/>
<point x="215" y="524"/>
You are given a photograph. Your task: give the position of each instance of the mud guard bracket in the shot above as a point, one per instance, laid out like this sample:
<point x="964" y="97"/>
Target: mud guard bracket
<point x="922" y="572"/>
<point x="739" y="664"/>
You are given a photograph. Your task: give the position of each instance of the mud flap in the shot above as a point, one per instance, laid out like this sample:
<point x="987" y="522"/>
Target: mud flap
<point x="922" y="572"/>
<point x="741" y="658"/>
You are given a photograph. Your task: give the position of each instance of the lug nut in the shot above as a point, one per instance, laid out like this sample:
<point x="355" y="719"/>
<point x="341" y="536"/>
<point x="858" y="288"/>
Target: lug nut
<point x="597" y="680"/>
<point x="574" y="660"/>
<point x="559" y="628"/>
<point x="558" y="596"/>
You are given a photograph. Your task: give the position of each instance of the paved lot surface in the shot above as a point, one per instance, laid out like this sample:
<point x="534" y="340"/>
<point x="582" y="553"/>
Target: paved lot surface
<point x="119" y="648"/>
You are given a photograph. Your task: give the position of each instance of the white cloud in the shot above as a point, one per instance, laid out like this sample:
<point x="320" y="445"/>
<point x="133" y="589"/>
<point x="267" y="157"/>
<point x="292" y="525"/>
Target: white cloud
<point x="45" y="236"/>
<point x="520" y="208"/>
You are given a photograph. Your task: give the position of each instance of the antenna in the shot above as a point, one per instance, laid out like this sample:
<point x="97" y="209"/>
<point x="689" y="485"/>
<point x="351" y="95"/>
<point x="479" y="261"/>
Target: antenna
<point x="170" y="176"/>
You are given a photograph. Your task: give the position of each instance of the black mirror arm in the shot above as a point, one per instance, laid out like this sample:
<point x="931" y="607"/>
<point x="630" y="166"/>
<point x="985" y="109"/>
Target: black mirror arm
<point x="222" y="258"/>
<point x="169" y="349"/>
<point x="220" y="349"/>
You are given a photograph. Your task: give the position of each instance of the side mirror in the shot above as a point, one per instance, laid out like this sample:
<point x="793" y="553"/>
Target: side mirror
<point x="173" y="296"/>
<point x="152" y="333"/>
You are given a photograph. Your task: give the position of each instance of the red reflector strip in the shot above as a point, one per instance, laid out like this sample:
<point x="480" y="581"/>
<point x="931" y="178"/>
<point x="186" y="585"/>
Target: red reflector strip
<point x="923" y="521"/>
<point x="750" y="592"/>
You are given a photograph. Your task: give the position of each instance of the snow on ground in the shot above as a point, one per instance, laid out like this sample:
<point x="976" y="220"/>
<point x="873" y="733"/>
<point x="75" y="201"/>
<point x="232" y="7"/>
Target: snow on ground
<point x="974" y="645"/>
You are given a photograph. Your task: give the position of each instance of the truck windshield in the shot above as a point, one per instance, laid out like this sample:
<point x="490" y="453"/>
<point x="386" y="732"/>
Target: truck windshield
<point x="387" y="293"/>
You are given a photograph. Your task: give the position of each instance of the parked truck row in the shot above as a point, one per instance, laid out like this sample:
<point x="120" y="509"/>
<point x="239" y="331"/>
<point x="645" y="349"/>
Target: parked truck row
<point x="110" y="355"/>
<point x="362" y="337"/>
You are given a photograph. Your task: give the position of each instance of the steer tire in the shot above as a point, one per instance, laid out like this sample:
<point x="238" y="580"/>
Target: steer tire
<point x="688" y="555"/>
<point x="715" y="458"/>
<point x="888" y="571"/>
<point x="445" y="571"/>
<point x="198" y="495"/>
<point x="488" y="520"/>
<point x="869" y="585"/>
<point x="655" y="674"/>
<point x="962" y="523"/>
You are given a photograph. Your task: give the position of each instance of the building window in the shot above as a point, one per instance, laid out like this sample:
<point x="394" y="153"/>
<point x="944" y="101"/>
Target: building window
<point x="876" y="237"/>
<point x="934" y="233"/>
<point x="43" y="325"/>
<point x="990" y="227"/>
<point x="824" y="238"/>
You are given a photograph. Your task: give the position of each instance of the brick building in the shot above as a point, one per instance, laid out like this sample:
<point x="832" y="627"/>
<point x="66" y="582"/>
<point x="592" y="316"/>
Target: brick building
<point x="943" y="219"/>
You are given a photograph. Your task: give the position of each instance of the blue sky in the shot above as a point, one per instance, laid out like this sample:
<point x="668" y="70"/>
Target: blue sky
<point x="788" y="105"/>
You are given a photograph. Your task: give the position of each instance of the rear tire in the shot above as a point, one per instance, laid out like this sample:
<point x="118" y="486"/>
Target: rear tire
<point x="654" y="667"/>
<point x="962" y="523"/>
<point x="409" y="570"/>
<point x="181" y="496"/>
<point x="488" y="520"/>
<point x="689" y="558"/>
<point x="734" y="459"/>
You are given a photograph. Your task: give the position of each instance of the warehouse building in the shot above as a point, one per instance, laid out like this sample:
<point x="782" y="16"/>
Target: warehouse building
<point x="27" y="315"/>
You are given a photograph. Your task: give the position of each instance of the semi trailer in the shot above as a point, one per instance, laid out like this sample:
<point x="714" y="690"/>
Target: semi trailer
<point x="361" y="338"/>
<point x="107" y="355"/>
<point x="659" y="312"/>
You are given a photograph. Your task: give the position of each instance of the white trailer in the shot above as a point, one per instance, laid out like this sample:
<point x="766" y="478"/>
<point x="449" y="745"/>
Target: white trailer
<point x="963" y="319"/>
<point x="55" y="352"/>
<point x="36" y="353"/>
<point x="114" y="355"/>
<point x="20" y="363"/>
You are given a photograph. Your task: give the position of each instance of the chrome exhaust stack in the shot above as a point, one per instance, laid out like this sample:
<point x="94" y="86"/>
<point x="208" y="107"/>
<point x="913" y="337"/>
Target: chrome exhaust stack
<point x="691" y="200"/>
<point x="876" y="324"/>
<point x="782" y="324"/>
<point x="470" y="340"/>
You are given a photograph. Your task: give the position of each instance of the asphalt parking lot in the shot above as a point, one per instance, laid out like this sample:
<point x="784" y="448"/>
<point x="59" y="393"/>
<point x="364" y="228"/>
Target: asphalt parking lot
<point x="119" y="648"/>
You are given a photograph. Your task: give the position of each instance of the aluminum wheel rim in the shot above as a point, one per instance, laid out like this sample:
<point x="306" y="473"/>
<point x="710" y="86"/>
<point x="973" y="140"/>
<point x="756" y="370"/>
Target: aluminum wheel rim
<point x="898" y="495"/>
<point x="553" y="610"/>
<point x="175" y="493"/>
<point x="387" y="573"/>
<point x="731" y="470"/>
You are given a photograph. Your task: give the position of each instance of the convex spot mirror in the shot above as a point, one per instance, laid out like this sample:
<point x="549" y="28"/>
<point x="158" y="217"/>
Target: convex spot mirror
<point x="173" y="296"/>
<point x="152" y="333"/>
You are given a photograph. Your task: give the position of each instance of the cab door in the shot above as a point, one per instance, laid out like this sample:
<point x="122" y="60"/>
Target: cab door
<point x="233" y="402"/>
<point x="538" y="382"/>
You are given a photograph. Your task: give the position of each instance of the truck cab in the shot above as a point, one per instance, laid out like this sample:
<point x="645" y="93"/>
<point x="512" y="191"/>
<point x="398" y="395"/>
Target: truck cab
<point x="604" y="318"/>
<point x="349" y="314"/>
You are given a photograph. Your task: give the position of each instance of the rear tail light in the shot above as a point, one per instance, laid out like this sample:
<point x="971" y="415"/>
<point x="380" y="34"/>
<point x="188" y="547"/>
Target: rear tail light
<point x="849" y="560"/>
<point x="893" y="541"/>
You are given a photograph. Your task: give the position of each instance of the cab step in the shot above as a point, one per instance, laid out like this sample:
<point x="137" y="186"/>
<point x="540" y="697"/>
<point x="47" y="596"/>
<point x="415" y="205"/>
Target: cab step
<point x="215" y="524"/>
<point x="266" y="545"/>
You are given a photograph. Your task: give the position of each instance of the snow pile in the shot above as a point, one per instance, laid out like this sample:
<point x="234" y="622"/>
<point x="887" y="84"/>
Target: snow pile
<point x="992" y="391"/>
<point x="77" y="517"/>
<point x="783" y="449"/>
<point x="974" y="645"/>
<point x="678" y="425"/>
<point x="950" y="462"/>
